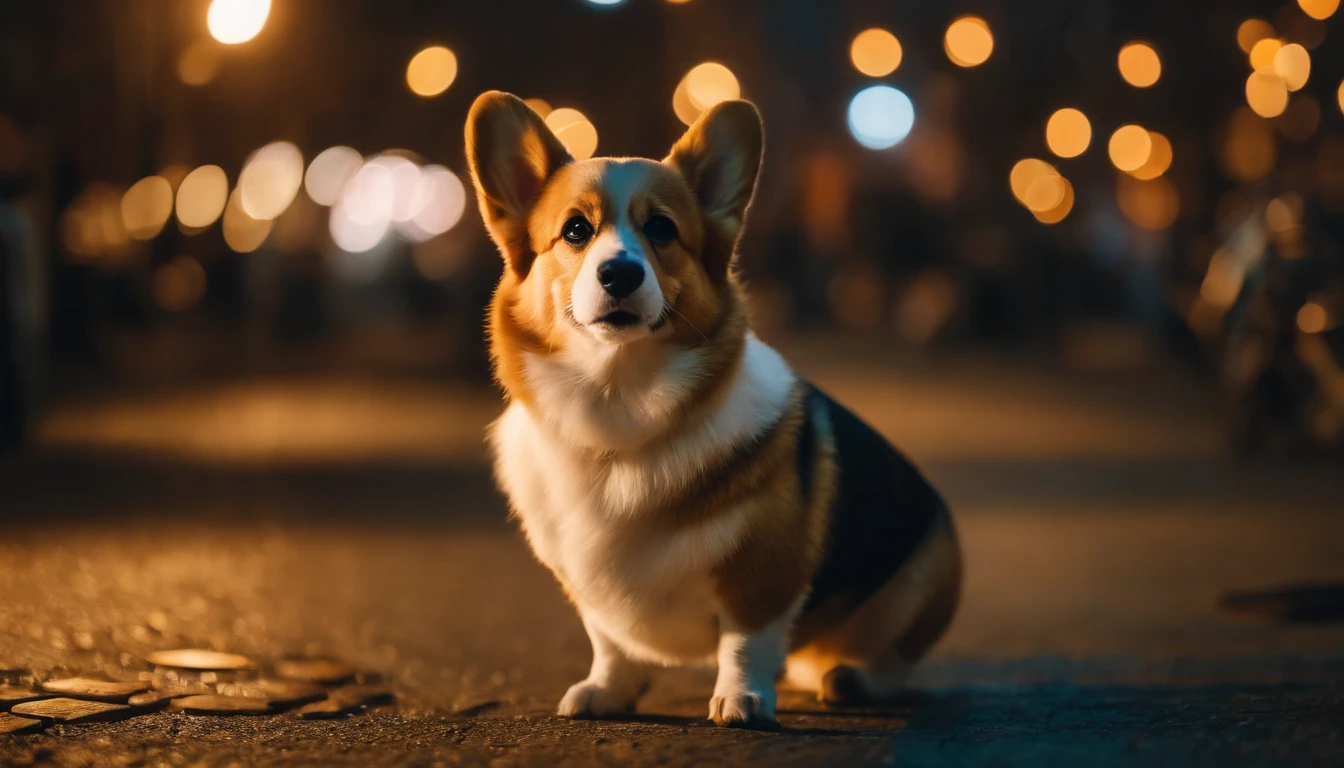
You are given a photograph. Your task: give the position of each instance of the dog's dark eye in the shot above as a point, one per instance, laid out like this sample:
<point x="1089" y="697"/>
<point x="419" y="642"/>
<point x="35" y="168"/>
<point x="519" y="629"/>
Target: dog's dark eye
<point x="577" y="231"/>
<point x="660" y="229"/>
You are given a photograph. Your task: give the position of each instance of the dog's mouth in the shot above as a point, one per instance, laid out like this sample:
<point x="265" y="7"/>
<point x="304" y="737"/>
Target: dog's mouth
<point x="618" y="319"/>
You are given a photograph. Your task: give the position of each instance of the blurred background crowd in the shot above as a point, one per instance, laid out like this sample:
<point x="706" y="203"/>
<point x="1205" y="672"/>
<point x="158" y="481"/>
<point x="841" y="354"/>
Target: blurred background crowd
<point x="194" y="188"/>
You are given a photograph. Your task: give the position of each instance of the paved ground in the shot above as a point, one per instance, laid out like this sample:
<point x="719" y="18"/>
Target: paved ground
<point x="356" y="519"/>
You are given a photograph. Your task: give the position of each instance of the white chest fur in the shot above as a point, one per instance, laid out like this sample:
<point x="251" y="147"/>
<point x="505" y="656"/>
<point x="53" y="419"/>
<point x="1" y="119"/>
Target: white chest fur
<point x="586" y="512"/>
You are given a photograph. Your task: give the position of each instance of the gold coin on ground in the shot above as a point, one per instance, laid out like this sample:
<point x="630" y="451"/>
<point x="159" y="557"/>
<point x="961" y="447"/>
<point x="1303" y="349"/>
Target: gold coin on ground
<point x="314" y="670"/>
<point x="17" y="694"/>
<point x="214" y="704"/>
<point x="199" y="658"/>
<point x="15" y="724"/>
<point x="98" y="690"/>
<point x="277" y="693"/>
<point x="345" y="701"/>
<point x="150" y="700"/>
<point x="73" y="710"/>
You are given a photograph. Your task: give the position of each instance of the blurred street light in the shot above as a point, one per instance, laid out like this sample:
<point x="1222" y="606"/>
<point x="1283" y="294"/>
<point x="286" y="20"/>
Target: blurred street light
<point x="328" y="173"/>
<point x="880" y="117"/>
<point x="237" y="21"/>
<point x="574" y="130"/>
<point x="875" y="52"/>
<point x="1253" y="31"/>
<point x="201" y="197"/>
<point x="968" y="41"/>
<point x="1292" y="63"/>
<point x="1139" y="65"/>
<point x="242" y="233"/>
<point x="1068" y="132"/>
<point x="1266" y="94"/>
<point x="1159" y="158"/>
<point x="1319" y="9"/>
<point x="1130" y="147"/>
<point x="1263" y="53"/>
<point x="431" y="71"/>
<point x="270" y="180"/>
<point x="541" y="106"/>
<point x="146" y="206"/>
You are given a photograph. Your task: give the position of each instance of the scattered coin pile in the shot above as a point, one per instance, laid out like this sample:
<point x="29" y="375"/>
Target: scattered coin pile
<point x="196" y="682"/>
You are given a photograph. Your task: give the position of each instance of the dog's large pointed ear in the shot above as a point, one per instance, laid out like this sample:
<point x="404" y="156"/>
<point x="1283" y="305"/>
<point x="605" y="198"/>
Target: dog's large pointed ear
<point x="511" y="154"/>
<point x="720" y="157"/>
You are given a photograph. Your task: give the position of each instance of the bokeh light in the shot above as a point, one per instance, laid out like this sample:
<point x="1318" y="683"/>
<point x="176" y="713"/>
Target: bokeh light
<point x="1045" y="192"/>
<point x="328" y="173"/>
<point x="201" y="197"/>
<point x="875" y="52"/>
<point x="1151" y="205"/>
<point x="682" y="106"/>
<point x="1292" y="63"/>
<point x="1262" y="54"/>
<point x="431" y="71"/>
<point x="1253" y="31"/>
<point x="405" y="176"/>
<point x="362" y="215"/>
<point x="1223" y="280"/>
<point x="1061" y="210"/>
<point x="1025" y="175"/>
<point x="243" y="233"/>
<point x="1159" y="159"/>
<point x="179" y="284"/>
<point x="199" y="63"/>
<point x="1339" y="96"/>
<point x="91" y="225"/>
<point x="146" y="206"/>
<point x="1312" y="318"/>
<point x="1248" y="150"/>
<point x="1068" y="132"/>
<point x="541" y="106"/>
<point x="1139" y="65"/>
<point x="968" y="41"/>
<point x="237" y="21"/>
<point x="1266" y="94"/>
<point x="605" y="3"/>
<point x="437" y="204"/>
<point x="270" y="180"/>
<point x="709" y="83"/>
<point x="1319" y="9"/>
<point x="880" y="116"/>
<point x="1130" y="147"/>
<point x="574" y="130"/>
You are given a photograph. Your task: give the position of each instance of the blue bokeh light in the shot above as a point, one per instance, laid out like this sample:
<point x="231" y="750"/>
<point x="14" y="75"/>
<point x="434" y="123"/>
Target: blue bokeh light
<point x="880" y="116"/>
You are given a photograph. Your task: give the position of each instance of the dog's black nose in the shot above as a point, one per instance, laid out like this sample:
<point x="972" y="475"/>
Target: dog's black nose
<point x="620" y="276"/>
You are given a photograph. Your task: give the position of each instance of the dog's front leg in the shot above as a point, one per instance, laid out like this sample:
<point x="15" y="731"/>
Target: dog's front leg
<point x="749" y="663"/>
<point x="614" y="683"/>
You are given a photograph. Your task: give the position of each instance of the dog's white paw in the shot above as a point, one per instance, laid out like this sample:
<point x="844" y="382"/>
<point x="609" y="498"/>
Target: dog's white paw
<point x="744" y="710"/>
<point x="589" y="699"/>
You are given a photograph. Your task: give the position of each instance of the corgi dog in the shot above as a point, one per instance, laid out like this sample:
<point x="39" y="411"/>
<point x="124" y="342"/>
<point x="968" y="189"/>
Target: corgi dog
<point x="697" y="501"/>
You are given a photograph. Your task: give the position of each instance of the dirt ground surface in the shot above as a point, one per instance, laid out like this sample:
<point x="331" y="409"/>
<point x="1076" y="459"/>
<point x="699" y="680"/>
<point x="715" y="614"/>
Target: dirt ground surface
<point x="356" y="518"/>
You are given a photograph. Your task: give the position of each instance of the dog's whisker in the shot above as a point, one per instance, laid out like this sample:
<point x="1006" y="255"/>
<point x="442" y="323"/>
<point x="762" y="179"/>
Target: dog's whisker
<point x="688" y="322"/>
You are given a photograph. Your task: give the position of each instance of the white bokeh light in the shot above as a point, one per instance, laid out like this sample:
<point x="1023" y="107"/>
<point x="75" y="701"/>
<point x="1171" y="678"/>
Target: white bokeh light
<point x="236" y="21"/>
<point x="328" y="173"/>
<point x="880" y="117"/>
<point x="438" y="204"/>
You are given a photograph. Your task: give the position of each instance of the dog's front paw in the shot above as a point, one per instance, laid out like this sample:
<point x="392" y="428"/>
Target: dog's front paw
<point x="744" y="710"/>
<point x="589" y="699"/>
